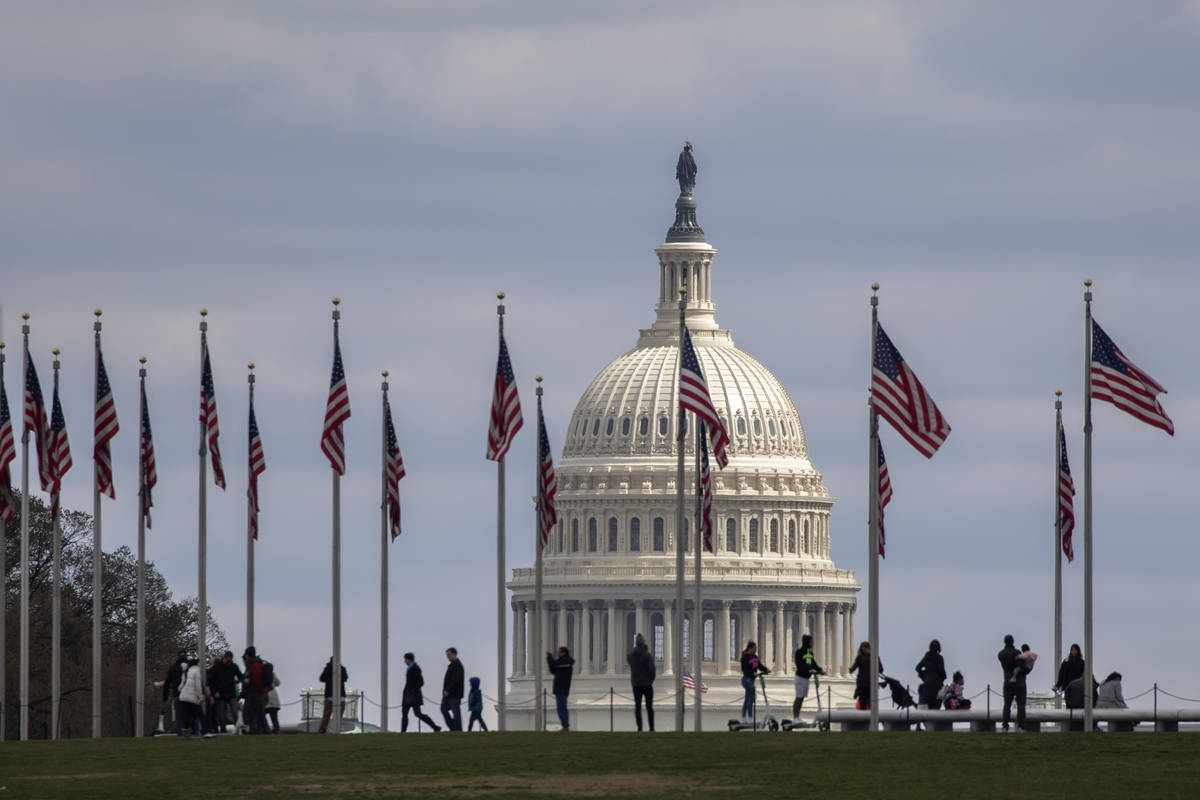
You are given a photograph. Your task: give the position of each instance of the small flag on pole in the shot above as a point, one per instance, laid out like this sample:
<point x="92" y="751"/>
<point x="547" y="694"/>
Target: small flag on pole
<point x="689" y="682"/>
<point x="146" y="454"/>
<point x="902" y="400"/>
<point x="60" y="452"/>
<point x="694" y="397"/>
<point x="258" y="465"/>
<point x="1066" y="494"/>
<point x="506" y="417"/>
<point x="208" y="415"/>
<point x="706" y="495"/>
<point x="547" y="484"/>
<point x="37" y="422"/>
<point x="1116" y="380"/>
<point x="885" y="492"/>
<point x="8" y="452"/>
<point x="106" y="429"/>
<point x="395" y="471"/>
<point x="337" y="411"/>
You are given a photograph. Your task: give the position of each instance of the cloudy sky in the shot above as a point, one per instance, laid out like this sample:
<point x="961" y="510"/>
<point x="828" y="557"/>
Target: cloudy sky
<point x="979" y="160"/>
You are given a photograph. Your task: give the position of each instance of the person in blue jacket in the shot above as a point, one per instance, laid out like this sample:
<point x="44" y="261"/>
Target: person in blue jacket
<point x="475" y="706"/>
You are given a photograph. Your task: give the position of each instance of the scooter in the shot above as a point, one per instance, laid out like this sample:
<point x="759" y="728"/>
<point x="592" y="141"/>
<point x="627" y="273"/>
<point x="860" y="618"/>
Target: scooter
<point x="818" y="723"/>
<point x="765" y="723"/>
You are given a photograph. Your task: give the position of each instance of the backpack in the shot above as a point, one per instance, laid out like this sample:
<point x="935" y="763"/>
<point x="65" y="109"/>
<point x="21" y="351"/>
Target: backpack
<point x="268" y="675"/>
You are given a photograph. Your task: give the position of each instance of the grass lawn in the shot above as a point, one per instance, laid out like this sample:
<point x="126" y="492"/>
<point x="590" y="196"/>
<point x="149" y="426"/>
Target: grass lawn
<point x="526" y="765"/>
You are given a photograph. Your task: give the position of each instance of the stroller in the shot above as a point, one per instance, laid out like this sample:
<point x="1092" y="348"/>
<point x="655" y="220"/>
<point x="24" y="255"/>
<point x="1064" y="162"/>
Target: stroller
<point x="901" y="697"/>
<point x="766" y="722"/>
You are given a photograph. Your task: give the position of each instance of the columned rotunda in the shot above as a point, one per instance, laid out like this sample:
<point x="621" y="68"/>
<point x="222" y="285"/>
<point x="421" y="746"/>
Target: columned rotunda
<point x="609" y="570"/>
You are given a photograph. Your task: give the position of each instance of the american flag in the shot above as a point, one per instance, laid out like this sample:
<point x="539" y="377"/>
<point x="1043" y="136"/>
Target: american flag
<point x="547" y="484"/>
<point x="1066" y="493"/>
<point x="506" y="417"/>
<point x="706" y="528"/>
<point x="37" y="422"/>
<point x="337" y="411"/>
<point x="902" y="400"/>
<point x="208" y="414"/>
<point x="885" y="492"/>
<point x="60" y="452"/>
<point x="8" y="452"/>
<point x="106" y="429"/>
<point x="689" y="683"/>
<point x="146" y="454"/>
<point x="694" y="396"/>
<point x="258" y="465"/>
<point x="1117" y="380"/>
<point x="395" y="471"/>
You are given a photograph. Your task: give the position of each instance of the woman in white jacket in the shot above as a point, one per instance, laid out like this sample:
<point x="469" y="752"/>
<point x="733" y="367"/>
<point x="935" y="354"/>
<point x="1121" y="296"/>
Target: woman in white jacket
<point x="191" y="699"/>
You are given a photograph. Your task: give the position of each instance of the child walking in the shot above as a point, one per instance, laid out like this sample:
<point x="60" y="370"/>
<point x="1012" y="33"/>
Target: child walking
<point x="475" y="706"/>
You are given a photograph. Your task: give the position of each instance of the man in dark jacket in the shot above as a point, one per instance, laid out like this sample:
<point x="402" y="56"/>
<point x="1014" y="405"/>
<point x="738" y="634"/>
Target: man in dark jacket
<point x="806" y="667"/>
<point x="254" y="690"/>
<point x="562" y="668"/>
<point x="641" y="676"/>
<point x="171" y="688"/>
<point x="1014" y="688"/>
<point x="413" y="681"/>
<point x="327" y="712"/>
<point x="452" y="691"/>
<point x="223" y="680"/>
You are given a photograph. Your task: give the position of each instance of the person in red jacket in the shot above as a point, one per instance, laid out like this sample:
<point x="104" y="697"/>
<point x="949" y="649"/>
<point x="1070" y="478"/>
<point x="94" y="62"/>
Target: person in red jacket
<point x="255" y="707"/>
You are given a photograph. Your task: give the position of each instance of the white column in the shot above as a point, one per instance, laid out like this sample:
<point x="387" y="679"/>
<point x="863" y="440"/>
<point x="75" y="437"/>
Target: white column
<point x="518" y="657"/>
<point x="615" y="650"/>
<point x="583" y="628"/>
<point x="781" y="661"/>
<point x="753" y="626"/>
<point x="801" y="620"/>
<point x="818" y="633"/>
<point x="668" y="653"/>
<point x="639" y="621"/>
<point x="543" y="643"/>
<point x="846" y="636"/>
<point x="561" y="634"/>
<point x="853" y="646"/>
<point x="529" y="637"/>
<point x="835" y="633"/>
<point x="721" y="646"/>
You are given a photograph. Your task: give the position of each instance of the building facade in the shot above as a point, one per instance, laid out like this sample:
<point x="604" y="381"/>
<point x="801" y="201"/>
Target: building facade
<point x="609" y="570"/>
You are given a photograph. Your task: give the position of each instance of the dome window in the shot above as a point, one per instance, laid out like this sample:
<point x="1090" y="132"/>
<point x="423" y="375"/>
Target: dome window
<point x="686" y="549"/>
<point x="612" y="534"/>
<point x="660" y="538"/>
<point x="757" y="427"/>
<point x="783" y="428"/>
<point x="753" y="536"/>
<point x="663" y="425"/>
<point x="644" y="426"/>
<point x="593" y="536"/>
<point x="625" y="424"/>
<point x="771" y="427"/>
<point x="574" y="536"/>
<point x="741" y="427"/>
<point x="731" y="535"/>
<point x="791" y="536"/>
<point x="608" y="429"/>
<point x="635" y="535"/>
<point x="774" y="536"/>
<point x="596" y="427"/>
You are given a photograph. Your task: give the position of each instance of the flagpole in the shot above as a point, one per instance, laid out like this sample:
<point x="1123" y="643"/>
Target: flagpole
<point x="697" y="626"/>
<point x="538" y="705"/>
<point x="139" y="722"/>
<point x="249" y="517"/>
<point x="501" y="595"/>
<point x="1087" y="507"/>
<point x="1058" y="426"/>
<point x="336" y="672"/>
<point x="873" y="516"/>
<point x="3" y="616"/>
<point x="202" y="555"/>
<point x="677" y="620"/>
<point x="24" y="677"/>
<point x="97" y="566"/>
<point x="383" y="560"/>
<point x="56" y="599"/>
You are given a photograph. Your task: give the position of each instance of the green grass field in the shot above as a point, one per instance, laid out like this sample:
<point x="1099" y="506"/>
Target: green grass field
<point x="585" y="765"/>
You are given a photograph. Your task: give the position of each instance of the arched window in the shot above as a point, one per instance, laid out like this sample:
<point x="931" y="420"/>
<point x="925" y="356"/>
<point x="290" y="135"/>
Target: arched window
<point x="574" y="536"/>
<point x="608" y="429"/>
<point x="757" y="427"/>
<point x="731" y="535"/>
<point x="783" y="428"/>
<point x="706" y="649"/>
<point x="612" y="534"/>
<point x="660" y="538"/>
<point x="771" y="427"/>
<point x="635" y="534"/>
<point x="753" y="536"/>
<point x="791" y="535"/>
<point x="644" y="426"/>
<point x="596" y="427"/>
<point x="741" y="426"/>
<point x="774" y="536"/>
<point x="684" y="540"/>
<point x="582" y="422"/>
<point x="593" y="536"/>
<point x="663" y="425"/>
<point x="625" y="426"/>
<point x="656" y="625"/>
<point x="807" y="538"/>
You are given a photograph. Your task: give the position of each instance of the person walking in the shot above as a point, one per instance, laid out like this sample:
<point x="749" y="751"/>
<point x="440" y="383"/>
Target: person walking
<point x="562" y="669"/>
<point x="475" y="707"/>
<point x="327" y="711"/>
<point x="751" y="669"/>
<point x="170" y="689"/>
<point x="255" y="690"/>
<point x="273" y="704"/>
<point x="806" y="667"/>
<point x="223" y="680"/>
<point x="862" y="684"/>
<point x="1071" y="668"/>
<point x="452" y="691"/>
<point x="641" y="678"/>
<point x="191" y="698"/>
<point x="412" y="699"/>
<point x="931" y="669"/>
<point x="1014" y="688"/>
